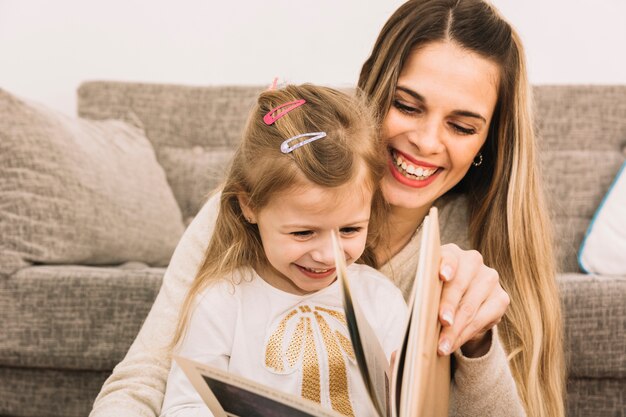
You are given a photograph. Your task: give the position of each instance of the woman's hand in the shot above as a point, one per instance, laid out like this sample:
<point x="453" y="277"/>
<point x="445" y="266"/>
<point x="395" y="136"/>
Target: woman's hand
<point x="472" y="302"/>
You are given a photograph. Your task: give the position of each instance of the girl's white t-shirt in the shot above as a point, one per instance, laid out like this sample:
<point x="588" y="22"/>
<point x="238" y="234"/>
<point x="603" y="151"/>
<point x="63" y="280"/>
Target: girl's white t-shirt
<point x="293" y="343"/>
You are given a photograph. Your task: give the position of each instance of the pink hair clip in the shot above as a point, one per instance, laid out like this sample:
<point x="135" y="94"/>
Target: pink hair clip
<point x="287" y="147"/>
<point x="272" y="115"/>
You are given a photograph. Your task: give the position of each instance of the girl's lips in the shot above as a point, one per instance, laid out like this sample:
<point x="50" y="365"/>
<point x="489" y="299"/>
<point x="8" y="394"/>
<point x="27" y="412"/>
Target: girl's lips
<point x="404" y="180"/>
<point x="316" y="275"/>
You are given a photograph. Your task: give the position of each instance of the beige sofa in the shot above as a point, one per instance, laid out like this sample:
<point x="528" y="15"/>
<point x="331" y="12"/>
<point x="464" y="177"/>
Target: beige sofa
<point x="65" y="324"/>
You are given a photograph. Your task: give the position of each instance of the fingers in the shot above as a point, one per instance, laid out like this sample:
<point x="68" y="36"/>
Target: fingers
<point x="472" y="300"/>
<point x="467" y="309"/>
<point x="487" y="316"/>
<point x="449" y="261"/>
<point x="466" y="265"/>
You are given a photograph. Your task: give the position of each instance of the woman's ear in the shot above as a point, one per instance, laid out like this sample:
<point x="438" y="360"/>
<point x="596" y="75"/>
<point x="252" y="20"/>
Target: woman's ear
<point x="244" y="203"/>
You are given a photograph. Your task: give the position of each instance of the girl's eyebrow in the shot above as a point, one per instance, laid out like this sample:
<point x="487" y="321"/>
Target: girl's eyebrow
<point x="418" y="96"/>
<point x="311" y="227"/>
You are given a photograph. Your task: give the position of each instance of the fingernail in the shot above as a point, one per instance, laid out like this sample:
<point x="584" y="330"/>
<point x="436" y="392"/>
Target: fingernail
<point x="446" y="272"/>
<point x="448" y="318"/>
<point x="444" y="346"/>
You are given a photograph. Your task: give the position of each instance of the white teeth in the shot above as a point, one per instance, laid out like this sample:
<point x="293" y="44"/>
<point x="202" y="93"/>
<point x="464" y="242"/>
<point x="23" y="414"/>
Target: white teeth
<point x="419" y="172"/>
<point x="317" y="271"/>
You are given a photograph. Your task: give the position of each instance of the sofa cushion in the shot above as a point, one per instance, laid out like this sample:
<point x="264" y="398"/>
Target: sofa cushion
<point x="73" y="317"/>
<point x="604" y="246"/>
<point x="77" y="191"/>
<point x="48" y="392"/>
<point x="193" y="129"/>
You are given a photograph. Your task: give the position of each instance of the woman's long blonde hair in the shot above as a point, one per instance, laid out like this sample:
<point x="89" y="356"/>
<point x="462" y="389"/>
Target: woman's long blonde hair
<point x="509" y="223"/>
<point x="260" y="171"/>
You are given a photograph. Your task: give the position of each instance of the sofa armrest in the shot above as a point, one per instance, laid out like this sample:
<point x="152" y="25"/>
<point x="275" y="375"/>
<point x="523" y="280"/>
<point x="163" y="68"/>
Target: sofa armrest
<point x="595" y="325"/>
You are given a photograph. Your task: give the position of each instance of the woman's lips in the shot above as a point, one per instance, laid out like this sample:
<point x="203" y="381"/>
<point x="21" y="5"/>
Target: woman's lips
<point x="410" y="159"/>
<point x="312" y="272"/>
<point x="410" y="172"/>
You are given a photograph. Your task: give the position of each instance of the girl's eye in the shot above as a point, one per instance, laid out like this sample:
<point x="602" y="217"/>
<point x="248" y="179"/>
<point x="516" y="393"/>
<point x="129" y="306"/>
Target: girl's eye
<point x="302" y="233"/>
<point x="347" y="231"/>
<point x="462" y="130"/>
<point x="404" y="108"/>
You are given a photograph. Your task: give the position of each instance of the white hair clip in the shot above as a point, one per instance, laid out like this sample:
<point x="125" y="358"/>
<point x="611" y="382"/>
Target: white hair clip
<point x="293" y="143"/>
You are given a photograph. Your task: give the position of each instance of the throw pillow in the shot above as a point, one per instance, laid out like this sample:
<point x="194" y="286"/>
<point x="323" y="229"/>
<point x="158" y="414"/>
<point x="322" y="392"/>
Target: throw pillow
<point x="604" y="247"/>
<point x="75" y="191"/>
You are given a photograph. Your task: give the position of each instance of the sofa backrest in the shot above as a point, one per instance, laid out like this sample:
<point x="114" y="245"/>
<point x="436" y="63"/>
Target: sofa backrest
<point x="193" y="129"/>
<point x="581" y="131"/>
<point x="582" y="143"/>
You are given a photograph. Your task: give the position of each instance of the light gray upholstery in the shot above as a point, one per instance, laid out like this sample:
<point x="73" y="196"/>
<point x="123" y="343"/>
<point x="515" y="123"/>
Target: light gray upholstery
<point x="193" y="129"/>
<point x="582" y="138"/>
<point x="78" y="191"/>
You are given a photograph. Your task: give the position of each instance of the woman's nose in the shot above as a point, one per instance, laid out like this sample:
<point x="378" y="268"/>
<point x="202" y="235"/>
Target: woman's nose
<point x="427" y="136"/>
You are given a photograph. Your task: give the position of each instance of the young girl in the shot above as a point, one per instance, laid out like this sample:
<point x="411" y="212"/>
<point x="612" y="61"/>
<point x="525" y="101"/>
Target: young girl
<point x="265" y="303"/>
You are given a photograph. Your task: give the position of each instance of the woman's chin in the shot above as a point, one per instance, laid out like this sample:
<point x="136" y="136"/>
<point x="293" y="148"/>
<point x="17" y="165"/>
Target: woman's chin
<point x="398" y="195"/>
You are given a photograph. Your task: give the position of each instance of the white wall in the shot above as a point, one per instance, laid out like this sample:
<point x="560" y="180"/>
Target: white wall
<point x="48" y="48"/>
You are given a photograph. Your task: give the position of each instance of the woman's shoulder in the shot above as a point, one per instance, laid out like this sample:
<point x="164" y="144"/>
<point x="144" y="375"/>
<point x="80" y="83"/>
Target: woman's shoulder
<point x="454" y="219"/>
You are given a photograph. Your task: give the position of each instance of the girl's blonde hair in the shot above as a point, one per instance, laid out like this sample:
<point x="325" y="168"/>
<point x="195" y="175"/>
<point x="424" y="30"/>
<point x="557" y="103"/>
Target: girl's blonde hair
<point x="259" y="171"/>
<point x="509" y="223"/>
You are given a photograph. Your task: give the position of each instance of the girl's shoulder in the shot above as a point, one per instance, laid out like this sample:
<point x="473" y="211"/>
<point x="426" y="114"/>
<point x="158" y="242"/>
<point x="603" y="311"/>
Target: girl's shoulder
<point x="228" y="288"/>
<point x="370" y="283"/>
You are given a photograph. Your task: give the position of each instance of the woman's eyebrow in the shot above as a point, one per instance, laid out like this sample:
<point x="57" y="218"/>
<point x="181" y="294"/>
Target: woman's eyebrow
<point x="466" y="113"/>
<point x="412" y="93"/>
<point x="418" y="96"/>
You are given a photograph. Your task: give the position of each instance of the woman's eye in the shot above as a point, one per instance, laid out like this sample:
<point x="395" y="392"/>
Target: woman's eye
<point x="462" y="130"/>
<point x="404" y="108"/>
<point x="347" y="231"/>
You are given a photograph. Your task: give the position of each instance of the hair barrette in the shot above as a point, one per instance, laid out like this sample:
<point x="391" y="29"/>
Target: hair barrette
<point x="272" y="115"/>
<point x="287" y="145"/>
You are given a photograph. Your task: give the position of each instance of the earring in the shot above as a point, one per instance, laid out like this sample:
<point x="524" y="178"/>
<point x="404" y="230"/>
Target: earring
<point x="478" y="160"/>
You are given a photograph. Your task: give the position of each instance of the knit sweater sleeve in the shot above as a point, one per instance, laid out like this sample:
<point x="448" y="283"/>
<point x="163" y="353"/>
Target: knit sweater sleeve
<point x="484" y="386"/>
<point x="137" y="384"/>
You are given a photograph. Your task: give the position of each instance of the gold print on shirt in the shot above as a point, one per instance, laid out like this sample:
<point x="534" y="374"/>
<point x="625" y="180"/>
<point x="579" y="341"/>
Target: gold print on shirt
<point x="303" y="335"/>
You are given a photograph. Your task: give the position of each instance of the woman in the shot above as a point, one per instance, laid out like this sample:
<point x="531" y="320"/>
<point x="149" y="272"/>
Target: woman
<point x="424" y="73"/>
<point x="449" y="81"/>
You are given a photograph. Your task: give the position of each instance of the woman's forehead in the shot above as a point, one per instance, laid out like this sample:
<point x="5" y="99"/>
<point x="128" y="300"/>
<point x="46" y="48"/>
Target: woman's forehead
<point x="444" y="73"/>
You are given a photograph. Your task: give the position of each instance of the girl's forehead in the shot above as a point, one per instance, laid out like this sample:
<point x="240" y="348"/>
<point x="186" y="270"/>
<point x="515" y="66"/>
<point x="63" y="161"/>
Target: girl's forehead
<point x="308" y="197"/>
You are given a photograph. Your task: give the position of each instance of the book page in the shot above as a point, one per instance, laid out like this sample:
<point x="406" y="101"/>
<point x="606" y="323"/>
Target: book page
<point x="227" y="395"/>
<point x="368" y="351"/>
<point x="421" y="377"/>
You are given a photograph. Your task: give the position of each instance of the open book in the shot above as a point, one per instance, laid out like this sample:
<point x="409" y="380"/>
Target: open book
<point x="418" y="384"/>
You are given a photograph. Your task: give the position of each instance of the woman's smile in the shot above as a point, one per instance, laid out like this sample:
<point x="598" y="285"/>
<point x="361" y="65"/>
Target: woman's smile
<point x="411" y="172"/>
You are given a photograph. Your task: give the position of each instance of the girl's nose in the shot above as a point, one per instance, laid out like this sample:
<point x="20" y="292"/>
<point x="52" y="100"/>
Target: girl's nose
<point x="323" y="253"/>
